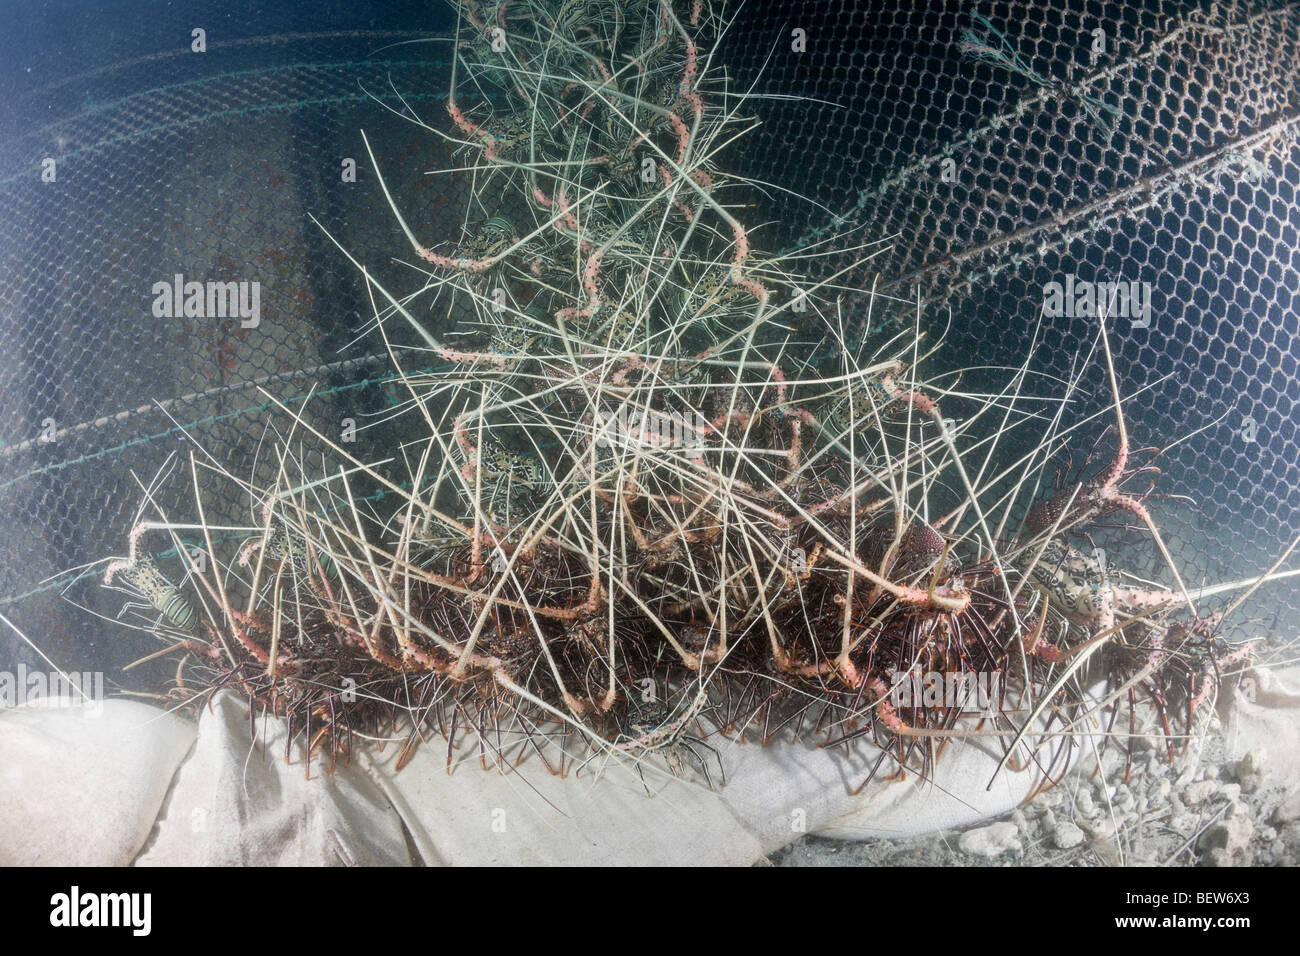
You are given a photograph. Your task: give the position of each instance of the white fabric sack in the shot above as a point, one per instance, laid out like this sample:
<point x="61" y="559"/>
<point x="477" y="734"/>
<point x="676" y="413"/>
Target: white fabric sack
<point x="81" y="785"/>
<point x="85" y="789"/>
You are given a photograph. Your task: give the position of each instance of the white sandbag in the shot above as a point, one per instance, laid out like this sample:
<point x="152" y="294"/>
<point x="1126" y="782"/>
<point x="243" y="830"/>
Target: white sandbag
<point x="1263" y="717"/>
<point x="237" y="802"/>
<point x="80" y="785"/>
<point x="87" y="790"/>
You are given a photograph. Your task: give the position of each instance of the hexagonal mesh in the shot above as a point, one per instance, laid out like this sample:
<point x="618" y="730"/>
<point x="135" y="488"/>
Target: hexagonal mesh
<point x="1168" y="155"/>
<point x="204" y="165"/>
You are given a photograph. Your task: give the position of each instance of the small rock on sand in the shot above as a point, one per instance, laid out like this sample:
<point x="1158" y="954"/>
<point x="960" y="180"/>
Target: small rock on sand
<point x="1227" y="843"/>
<point x="1288" y="811"/>
<point x="1198" y="792"/>
<point x="1067" y="835"/>
<point x="990" y="841"/>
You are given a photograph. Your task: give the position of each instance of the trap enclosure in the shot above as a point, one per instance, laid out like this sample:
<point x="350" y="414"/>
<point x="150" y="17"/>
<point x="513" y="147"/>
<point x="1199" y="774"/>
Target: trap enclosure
<point x="1149" y="153"/>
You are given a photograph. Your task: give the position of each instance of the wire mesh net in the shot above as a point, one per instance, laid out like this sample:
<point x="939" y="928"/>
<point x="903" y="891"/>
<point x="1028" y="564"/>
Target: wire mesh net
<point x="202" y="166"/>
<point x="1161" y="150"/>
<point x="1151" y="143"/>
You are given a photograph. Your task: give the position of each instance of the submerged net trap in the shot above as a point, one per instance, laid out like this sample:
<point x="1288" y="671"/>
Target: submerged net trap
<point x="635" y="443"/>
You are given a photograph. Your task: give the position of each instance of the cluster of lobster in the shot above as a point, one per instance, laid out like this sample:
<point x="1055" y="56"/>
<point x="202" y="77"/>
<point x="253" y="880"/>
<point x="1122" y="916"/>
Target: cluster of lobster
<point x="632" y="523"/>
